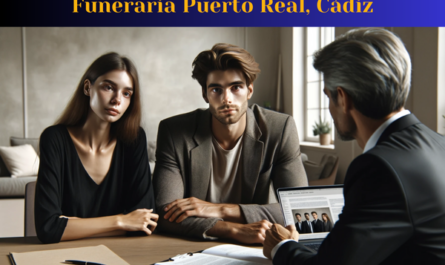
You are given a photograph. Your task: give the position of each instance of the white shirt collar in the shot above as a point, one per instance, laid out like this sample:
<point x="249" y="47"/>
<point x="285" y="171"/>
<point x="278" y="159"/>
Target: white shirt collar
<point x="376" y="135"/>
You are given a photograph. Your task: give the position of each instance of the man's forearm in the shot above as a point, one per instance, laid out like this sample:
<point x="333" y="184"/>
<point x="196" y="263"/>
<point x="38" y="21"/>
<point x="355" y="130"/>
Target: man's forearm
<point x="221" y="229"/>
<point x="232" y="213"/>
<point x="224" y="229"/>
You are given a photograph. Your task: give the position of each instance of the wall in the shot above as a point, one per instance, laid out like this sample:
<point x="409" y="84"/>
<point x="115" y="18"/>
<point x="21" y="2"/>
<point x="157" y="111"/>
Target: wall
<point x="424" y="57"/>
<point x="292" y="50"/>
<point x="11" y="108"/>
<point x="441" y="82"/>
<point x="57" y="57"/>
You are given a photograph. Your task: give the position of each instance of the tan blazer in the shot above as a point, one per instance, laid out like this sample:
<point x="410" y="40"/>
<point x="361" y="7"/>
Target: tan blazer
<point x="271" y="152"/>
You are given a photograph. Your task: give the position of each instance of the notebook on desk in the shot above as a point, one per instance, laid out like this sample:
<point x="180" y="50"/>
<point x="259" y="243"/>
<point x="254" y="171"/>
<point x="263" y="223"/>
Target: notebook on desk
<point x="321" y="200"/>
<point x="222" y="254"/>
<point x="99" y="254"/>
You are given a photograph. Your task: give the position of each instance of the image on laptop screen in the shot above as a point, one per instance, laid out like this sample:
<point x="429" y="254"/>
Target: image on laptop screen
<point x="317" y="207"/>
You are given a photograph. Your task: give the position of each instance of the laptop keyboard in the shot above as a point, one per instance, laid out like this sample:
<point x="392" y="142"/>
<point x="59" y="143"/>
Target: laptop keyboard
<point x="313" y="246"/>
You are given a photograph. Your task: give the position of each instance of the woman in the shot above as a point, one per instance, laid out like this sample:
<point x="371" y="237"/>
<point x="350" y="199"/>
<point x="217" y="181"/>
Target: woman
<point x="94" y="176"/>
<point x="327" y="224"/>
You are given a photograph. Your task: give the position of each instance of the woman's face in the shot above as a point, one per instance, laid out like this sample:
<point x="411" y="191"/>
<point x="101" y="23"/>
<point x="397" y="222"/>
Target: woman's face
<point x="110" y="95"/>
<point x="324" y="218"/>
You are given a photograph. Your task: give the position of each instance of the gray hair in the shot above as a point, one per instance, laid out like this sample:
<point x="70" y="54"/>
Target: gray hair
<point x="372" y="66"/>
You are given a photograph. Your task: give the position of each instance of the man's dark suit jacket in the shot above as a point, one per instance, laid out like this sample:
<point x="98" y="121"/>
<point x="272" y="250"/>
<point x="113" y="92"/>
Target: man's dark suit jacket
<point x="270" y="153"/>
<point x="300" y="230"/>
<point x="317" y="226"/>
<point x="306" y="227"/>
<point x="394" y="210"/>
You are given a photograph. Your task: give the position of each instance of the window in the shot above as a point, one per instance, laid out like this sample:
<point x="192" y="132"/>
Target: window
<point x="316" y="103"/>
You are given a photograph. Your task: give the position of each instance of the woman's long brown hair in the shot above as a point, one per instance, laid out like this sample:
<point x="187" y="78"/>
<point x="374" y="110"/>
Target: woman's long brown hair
<point x="75" y="114"/>
<point x="327" y="217"/>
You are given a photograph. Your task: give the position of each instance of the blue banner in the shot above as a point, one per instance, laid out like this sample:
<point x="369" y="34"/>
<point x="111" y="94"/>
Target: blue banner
<point x="377" y="13"/>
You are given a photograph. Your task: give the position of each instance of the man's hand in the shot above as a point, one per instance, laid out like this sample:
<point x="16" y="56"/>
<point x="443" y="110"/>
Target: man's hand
<point x="250" y="233"/>
<point x="180" y="209"/>
<point x="275" y="235"/>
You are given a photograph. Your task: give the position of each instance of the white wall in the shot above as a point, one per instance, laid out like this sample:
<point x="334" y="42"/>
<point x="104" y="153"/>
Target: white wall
<point x="56" y="58"/>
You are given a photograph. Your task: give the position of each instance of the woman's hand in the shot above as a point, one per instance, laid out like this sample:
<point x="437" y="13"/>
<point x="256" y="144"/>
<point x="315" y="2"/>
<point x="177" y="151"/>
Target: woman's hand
<point x="139" y="220"/>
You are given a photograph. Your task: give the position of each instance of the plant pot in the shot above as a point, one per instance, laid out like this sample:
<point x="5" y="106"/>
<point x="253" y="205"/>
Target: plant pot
<point x="325" y="139"/>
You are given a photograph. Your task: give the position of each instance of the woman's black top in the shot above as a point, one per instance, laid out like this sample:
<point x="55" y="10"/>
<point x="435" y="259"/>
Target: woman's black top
<point x="65" y="188"/>
<point x="327" y="226"/>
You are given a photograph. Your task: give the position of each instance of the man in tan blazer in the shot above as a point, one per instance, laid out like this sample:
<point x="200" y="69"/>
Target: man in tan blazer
<point x="214" y="167"/>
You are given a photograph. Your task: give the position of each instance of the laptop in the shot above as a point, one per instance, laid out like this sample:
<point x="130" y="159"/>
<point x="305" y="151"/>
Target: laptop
<point x="324" y="201"/>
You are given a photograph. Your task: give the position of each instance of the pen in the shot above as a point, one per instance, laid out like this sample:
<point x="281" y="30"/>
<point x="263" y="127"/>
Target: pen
<point x="81" y="262"/>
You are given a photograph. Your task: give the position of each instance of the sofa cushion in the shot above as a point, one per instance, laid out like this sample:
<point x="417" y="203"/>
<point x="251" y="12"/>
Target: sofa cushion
<point x="20" y="160"/>
<point x="3" y="169"/>
<point x="14" y="187"/>
<point x="34" y="142"/>
<point x="313" y="170"/>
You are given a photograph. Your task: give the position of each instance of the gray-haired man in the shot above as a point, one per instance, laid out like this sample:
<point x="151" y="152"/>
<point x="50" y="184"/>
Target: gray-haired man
<point x="393" y="192"/>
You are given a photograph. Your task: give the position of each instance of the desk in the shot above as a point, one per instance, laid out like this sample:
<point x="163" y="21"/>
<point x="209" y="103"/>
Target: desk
<point x="135" y="250"/>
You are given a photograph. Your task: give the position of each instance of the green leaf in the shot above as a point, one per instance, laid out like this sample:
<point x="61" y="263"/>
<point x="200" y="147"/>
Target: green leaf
<point x="321" y="127"/>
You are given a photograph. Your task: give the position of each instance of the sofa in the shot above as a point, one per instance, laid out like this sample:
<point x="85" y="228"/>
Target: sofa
<point x="318" y="174"/>
<point x="15" y="187"/>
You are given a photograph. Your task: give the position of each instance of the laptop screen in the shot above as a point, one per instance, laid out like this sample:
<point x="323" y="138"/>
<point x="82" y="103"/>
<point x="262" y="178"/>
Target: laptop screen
<point x="313" y="210"/>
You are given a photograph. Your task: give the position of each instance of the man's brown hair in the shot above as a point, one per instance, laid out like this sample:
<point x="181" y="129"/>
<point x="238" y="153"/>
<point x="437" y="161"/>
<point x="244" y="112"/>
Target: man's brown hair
<point x="222" y="57"/>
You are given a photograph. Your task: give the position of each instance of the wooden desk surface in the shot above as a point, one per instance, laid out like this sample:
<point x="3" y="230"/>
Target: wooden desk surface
<point x="135" y="250"/>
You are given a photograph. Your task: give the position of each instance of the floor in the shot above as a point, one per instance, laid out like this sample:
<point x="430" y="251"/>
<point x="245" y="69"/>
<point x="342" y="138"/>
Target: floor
<point x="12" y="217"/>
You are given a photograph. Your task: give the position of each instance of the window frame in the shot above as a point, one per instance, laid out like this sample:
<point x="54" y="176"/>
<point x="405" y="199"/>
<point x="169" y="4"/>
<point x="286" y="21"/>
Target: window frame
<point x="325" y="36"/>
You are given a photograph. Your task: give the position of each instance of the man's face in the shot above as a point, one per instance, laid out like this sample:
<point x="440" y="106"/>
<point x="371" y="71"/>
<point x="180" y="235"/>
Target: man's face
<point x="315" y="216"/>
<point x="344" y="123"/>
<point x="306" y="216"/>
<point x="227" y="95"/>
<point x="298" y="218"/>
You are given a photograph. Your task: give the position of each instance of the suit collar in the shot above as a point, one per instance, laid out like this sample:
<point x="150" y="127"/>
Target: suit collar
<point x="251" y="157"/>
<point x="252" y="128"/>
<point x="201" y="157"/>
<point x="398" y="125"/>
<point x="372" y="141"/>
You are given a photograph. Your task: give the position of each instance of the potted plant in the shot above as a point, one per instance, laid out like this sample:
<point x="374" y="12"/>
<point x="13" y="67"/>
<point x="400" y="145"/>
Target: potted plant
<point x="323" y="128"/>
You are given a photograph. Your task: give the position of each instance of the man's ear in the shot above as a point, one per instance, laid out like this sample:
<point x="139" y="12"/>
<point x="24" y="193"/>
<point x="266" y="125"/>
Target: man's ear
<point x="344" y="100"/>
<point x="204" y="95"/>
<point x="250" y="91"/>
<point x="86" y="87"/>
